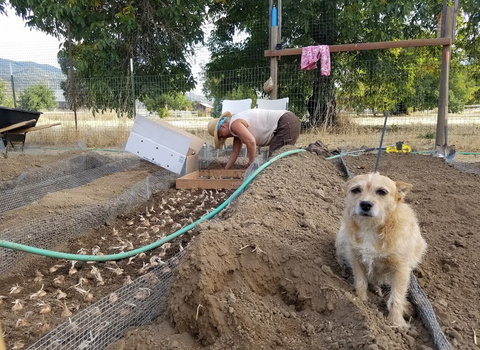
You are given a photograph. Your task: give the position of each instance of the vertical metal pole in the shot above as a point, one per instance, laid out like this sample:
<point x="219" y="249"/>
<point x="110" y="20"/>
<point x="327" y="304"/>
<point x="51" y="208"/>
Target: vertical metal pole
<point x="442" y="118"/>
<point x="273" y="60"/>
<point x="381" y="142"/>
<point x="72" y="79"/>
<point x="13" y="86"/>
<point x="133" y="88"/>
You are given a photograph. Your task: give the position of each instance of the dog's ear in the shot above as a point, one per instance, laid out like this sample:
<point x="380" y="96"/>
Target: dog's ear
<point x="402" y="189"/>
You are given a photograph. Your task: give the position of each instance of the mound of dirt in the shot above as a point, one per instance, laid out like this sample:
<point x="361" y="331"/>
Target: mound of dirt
<point x="263" y="275"/>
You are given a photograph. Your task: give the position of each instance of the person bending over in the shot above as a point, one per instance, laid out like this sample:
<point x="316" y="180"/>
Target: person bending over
<point x="255" y="127"/>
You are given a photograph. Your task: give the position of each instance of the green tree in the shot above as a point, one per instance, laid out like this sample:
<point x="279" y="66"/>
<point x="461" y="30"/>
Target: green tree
<point x="2" y="7"/>
<point x="376" y="79"/>
<point x="169" y="101"/>
<point x="157" y="36"/>
<point x="37" y="97"/>
<point x="462" y="89"/>
<point x="5" y="101"/>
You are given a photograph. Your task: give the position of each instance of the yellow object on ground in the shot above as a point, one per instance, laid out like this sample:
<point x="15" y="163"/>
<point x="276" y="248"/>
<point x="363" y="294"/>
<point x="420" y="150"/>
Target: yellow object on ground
<point x="399" y="147"/>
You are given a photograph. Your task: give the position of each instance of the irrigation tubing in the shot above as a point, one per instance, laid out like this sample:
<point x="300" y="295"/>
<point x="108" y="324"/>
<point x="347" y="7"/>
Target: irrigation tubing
<point x="119" y="256"/>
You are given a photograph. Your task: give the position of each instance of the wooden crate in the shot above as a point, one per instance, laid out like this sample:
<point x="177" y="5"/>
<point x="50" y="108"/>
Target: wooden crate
<point x="212" y="179"/>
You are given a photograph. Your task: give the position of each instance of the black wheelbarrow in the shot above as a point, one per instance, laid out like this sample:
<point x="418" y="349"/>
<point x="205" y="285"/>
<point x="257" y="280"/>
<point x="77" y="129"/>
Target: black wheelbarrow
<point x="15" y="123"/>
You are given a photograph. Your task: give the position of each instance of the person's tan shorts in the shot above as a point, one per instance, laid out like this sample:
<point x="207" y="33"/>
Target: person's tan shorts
<point x="287" y="132"/>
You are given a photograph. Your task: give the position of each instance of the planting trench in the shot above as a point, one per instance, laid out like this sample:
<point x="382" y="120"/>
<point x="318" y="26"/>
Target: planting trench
<point x="261" y="275"/>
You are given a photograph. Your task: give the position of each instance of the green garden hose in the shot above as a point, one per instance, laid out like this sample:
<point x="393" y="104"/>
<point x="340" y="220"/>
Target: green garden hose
<point x="119" y="256"/>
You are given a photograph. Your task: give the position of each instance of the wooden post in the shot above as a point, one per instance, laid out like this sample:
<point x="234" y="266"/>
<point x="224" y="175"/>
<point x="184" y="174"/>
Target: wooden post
<point x="442" y="118"/>
<point x="274" y="64"/>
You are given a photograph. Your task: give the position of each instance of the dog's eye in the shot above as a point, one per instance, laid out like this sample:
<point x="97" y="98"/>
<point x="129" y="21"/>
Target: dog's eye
<point x="382" y="192"/>
<point x="355" y="190"/>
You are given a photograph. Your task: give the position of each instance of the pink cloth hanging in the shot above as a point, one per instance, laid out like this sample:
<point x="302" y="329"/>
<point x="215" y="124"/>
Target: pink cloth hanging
<point x="310" y="56"/>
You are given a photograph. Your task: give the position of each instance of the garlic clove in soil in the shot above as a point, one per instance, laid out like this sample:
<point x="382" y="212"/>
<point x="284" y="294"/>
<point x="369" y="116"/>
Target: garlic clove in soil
<point x="96" y="273"/>
<point x="113" y="298"/>
<point x="44" y="326"/>
<point x="60" y="294"/>
<point x="16" y="289"/>
<point x="39" y="294"/>
<point x="95" y="250"/>
<point x="87" y="296"/>
<point x="72" y="269"/>
<point x="38" y="276"/>
<point x="18" y="345"/>
<point x="2" y="297"/>
<point x="116" y="270"/>
<point x="54" y="268"/>
<point x="65" y="311"/>
<point x="82" y="281"/>
<point x="59" y="279"/>
<point x="128" y="280"/>
<point x="44" y="308"/>
<point x="143" y="293"/>
<point x="21" y="322"/>
<point x="17" y="305"/>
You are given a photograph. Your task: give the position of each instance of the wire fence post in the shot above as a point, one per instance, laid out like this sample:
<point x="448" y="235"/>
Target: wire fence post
<point x="133" y="87"/>
<point x="13" y="86"/>
<point x="72" y="79"/>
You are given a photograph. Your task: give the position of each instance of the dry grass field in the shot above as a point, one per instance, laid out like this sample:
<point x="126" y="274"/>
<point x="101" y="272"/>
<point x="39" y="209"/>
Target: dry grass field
<point x="107" y="130"/>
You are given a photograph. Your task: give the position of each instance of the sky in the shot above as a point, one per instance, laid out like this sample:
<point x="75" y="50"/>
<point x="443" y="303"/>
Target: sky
<point x="20" y="43"/>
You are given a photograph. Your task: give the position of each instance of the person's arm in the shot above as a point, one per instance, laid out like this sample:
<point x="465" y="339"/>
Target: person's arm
<point x="237" y="146"/>
<point x="240" y="128"/>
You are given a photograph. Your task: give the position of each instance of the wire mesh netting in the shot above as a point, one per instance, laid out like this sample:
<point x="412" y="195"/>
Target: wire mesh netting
<point x="105" y="321"/>
<point x="230" y="63"/>
<point x="50" y="230"/>
<point x="66" y="174"/>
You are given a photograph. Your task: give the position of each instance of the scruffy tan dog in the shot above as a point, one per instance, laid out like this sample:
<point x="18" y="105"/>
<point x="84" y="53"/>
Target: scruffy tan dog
<point x="380" y="239"/>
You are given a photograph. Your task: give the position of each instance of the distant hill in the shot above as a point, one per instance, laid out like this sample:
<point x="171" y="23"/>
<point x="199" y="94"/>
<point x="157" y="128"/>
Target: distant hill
<point x="30" y="73"/>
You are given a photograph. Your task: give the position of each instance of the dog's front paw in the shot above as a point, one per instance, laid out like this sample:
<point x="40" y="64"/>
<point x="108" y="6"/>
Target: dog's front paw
<point x="362" y="294"/>
<point x="398" y="321"/>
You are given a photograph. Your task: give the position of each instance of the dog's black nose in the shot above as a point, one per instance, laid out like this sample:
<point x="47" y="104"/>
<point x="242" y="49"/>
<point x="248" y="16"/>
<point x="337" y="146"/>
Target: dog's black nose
<point x="365" y="205"/>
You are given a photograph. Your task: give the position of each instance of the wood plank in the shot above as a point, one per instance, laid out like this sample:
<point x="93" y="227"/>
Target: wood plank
<point x="221" y="173"/>
<point x="367" y="46"/>
<point x="34" y="128"/>
<point x="193" y="175"/>
<point x="18" y="125"/>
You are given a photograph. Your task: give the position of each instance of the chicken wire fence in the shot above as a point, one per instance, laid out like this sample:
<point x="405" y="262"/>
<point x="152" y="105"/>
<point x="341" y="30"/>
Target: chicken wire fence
<point x="361" y="87"/>
<point x="69" y="173"/>
<point x="106" y="320"/>
<point x="137" y="302"/>
<point x="47" y="231"/>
